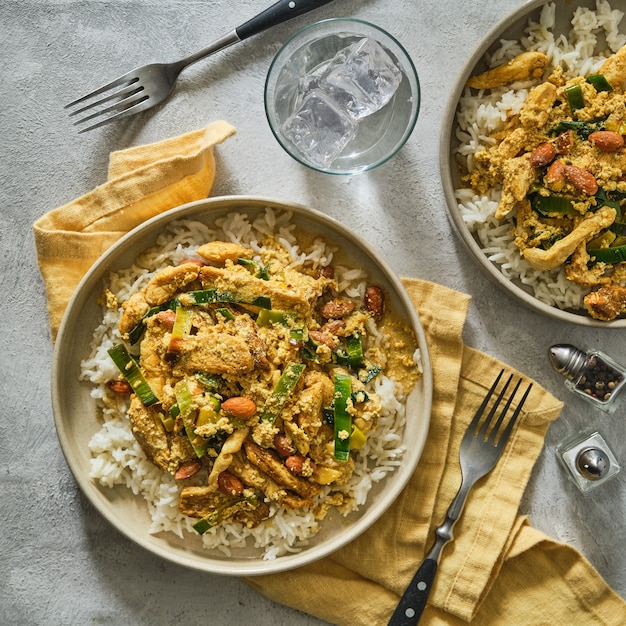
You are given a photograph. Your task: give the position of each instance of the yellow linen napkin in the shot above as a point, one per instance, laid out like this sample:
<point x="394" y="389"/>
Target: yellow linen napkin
<point x="142" y="182"/>
<point x="498" y="570"/>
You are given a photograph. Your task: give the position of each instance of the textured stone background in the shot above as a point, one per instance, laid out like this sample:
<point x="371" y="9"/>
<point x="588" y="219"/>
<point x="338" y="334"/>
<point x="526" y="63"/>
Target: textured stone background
<point x="60" y="562"/>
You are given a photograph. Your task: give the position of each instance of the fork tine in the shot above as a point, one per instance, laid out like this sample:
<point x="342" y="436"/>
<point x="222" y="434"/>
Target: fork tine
<point x="122" y="106"/>
<point x="481" y="409"/>
<point x="504" y="437"/>
<point x="128" y="91"/>
<point x="496" y="426"/>
<point x="125" y="79"/>
<point x="483" y="430"/>
<point x="132" y="106"/>
<point x="142" y="105"/>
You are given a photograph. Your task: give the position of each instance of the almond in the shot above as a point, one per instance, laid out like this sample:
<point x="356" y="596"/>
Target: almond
<point x="375" y="301"/>
<point x="295" y="464"/>
<point x="120" y="387"/>
<point x="581" y="179"/>
<point x="242" y="408"/>
<point x="328" y="271"/>
<point x="563" y="142"/>
<point x="283" y="445"/>
<point x="229" y="484"/>
<point x="322" y="338"/>
<point x="188" y="469"/>
<point x="336" y="309"/>
<point x="193" y="262"/>
<point x="606" y="140"/>
<point x="300" y="466"/>
<point x="167" y="319"/>
<point x="334" y="327"/>
<point x="555" y="176"/>
<point x="543" y="154"/>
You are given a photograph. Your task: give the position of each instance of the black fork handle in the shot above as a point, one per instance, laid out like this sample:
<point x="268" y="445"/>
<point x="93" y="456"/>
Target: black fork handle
<point x="278" y="13"/>
<point x="413" y="601"/>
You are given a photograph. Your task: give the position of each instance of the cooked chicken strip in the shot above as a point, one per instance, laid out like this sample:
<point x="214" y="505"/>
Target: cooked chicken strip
<point x="166" y="450"/>
<point x="536" y="110"/>
<point x="557" y="254"/>
<point x="163" y="286"/>
<point x="614" y="68"/>
<point x="222" y="251"/>
<point x="526" y="65"/>
<point x="271" y="465"/>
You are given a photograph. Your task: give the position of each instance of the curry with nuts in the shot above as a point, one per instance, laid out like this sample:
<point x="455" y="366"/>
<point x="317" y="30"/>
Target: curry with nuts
<point x="560" y="163"/>
<point x="252" y="382"/>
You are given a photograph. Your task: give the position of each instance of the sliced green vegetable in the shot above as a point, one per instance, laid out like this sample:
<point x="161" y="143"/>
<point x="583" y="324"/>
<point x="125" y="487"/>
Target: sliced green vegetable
<point x="603" y="240"/>
<point x="282" y="390"/>
<point x="213" y="296"/>
<point x="189" y="415"/>
<point x="357" y="438"/>
<point x="619" y="228"/>
<point x="226" y="313"/>
<point x="600" y="82"/>
<point x="132" y="373"/>
<point x="352" y="356"/>
<point x="221" y="512"/>
<point x="308" y="353"/>
<point x="342" y="419"/>
<point x="574" y="95"/>
<point x="612" y="255"/>
<point x="137" y="331"/>
<point x="256" y="269"/>
<point x="208" y="415"/>
<point x="267" y="317"/>
<point x="544" y="205"/>
<point x="611" y="199"/>
<point x="168" y="422"/>
<point x="210" y="381"/>
<point x="366" y="375"/>
<point x="182" y="328"/>
<point x="583" y="129"/>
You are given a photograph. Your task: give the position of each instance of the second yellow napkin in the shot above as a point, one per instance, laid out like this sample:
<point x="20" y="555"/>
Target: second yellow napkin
<point x="142" y="182"/>
<point x="498" y="570"/>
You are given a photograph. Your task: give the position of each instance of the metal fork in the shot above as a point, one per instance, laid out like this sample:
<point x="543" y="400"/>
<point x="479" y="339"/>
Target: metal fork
<point x="481" y="448"/>
<point x="147" y="86"/>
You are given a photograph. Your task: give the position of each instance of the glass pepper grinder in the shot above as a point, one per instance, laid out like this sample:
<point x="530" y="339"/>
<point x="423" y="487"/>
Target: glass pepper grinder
<point x="591" y="374"/>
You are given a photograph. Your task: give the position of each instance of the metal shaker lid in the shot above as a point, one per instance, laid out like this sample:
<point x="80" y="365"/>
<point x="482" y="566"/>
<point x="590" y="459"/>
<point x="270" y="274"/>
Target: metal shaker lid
<point x="567" y="359"/>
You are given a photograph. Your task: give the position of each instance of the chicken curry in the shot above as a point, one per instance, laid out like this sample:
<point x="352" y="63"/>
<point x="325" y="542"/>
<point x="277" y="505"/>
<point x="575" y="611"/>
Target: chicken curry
<point x="253" y="381"/>
<point x="560" y="164"/>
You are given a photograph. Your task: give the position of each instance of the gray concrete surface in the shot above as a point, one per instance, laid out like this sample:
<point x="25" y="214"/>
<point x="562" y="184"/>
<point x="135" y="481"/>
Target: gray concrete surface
<point x="60" y="562"/>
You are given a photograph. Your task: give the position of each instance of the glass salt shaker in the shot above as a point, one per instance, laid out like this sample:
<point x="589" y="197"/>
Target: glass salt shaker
<point x="588" y="459"/>
<point x="591" y="374"/>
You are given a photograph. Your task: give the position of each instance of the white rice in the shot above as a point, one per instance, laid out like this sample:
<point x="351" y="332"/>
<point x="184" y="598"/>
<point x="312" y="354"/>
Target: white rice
<point x="593" y="37"/>
<point x="117" y="458"/>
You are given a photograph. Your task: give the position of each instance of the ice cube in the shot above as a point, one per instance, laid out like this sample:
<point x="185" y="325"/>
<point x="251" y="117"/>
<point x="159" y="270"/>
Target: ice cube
<point x="319" y="129"/>
<point x="362" y="78"/>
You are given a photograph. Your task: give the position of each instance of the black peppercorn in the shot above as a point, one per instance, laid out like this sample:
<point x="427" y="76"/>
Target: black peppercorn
<point x="592" y="374"/>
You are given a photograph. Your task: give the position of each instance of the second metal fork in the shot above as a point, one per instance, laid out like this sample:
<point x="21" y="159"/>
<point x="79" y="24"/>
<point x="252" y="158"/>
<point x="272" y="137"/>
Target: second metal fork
<point x="149" y="85"/>
<point x="481" y="447"/>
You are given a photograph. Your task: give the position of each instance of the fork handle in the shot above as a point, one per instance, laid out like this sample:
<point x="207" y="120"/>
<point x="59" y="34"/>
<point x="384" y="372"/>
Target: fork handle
<point x="278" y="13"/>
<point x="413" y="601"/>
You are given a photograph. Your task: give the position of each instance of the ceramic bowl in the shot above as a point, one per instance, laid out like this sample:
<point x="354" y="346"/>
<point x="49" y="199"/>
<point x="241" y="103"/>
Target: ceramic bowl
<point x="76" y="414"/>
<point x="510" y="28"/>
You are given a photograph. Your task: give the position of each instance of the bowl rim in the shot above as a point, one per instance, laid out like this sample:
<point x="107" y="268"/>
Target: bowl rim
<point x="446" y="163"/>
<point x="64" y="352"/>
<point x="410" y="71"/>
